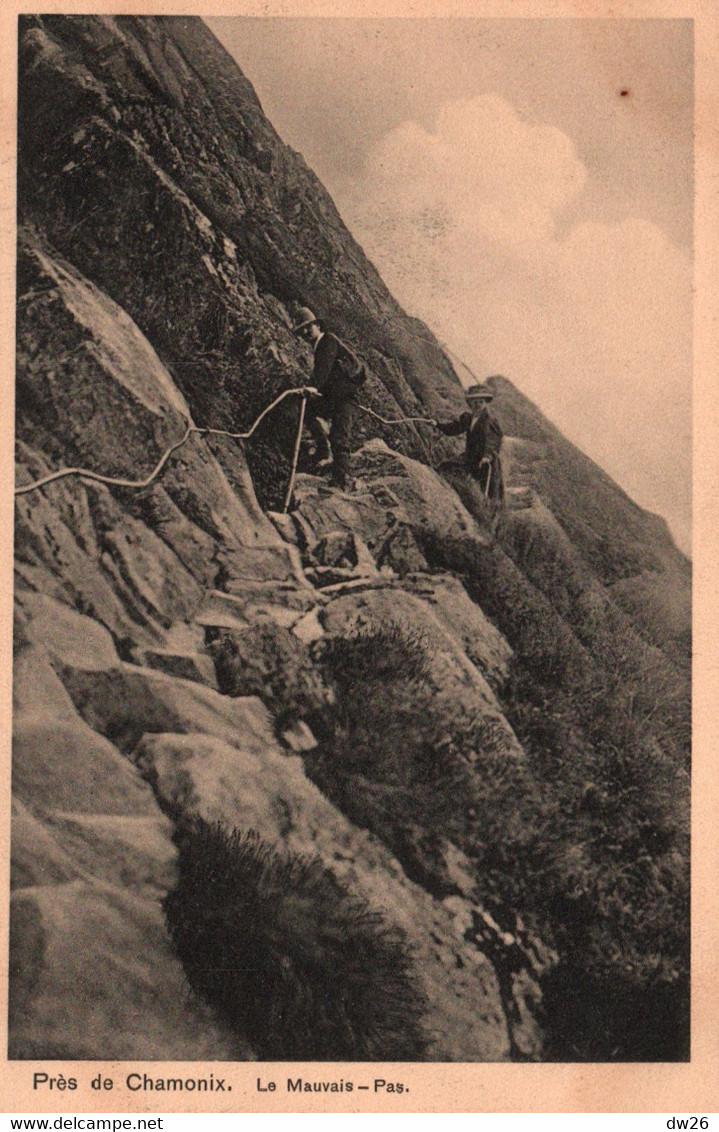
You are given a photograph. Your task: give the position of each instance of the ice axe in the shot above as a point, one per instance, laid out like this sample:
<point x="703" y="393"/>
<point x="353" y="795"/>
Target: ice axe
<point x="308" y="391"/>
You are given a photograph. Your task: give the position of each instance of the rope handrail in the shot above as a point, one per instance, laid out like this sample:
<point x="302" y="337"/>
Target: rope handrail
<point x="303" y="391"/>
<point x="193" y="430"/>
<point x="399" y="420"/>
<point x="117" y="481"/>
<point x="97" y="477"/>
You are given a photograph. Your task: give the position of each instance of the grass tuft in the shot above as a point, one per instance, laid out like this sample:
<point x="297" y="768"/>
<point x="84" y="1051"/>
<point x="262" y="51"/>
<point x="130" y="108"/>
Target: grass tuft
<point x="587" y="837"/>
<point x="385" y="653"/>
<point x="288" y="956"/>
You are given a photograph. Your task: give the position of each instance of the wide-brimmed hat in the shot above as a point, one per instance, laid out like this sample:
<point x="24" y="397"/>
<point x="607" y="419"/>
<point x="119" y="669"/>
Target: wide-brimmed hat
<point x="480" y="392"/>
<point x="304" y="317"/>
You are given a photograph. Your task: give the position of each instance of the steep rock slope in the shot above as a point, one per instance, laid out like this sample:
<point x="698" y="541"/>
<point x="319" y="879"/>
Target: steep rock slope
<point x="447" y="708"/>
<point x="629" y="550"/>
<point x="139" y="179"/>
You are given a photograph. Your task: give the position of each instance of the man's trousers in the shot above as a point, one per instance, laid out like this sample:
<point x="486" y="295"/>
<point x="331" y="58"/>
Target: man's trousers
<point x="339" y="445"/>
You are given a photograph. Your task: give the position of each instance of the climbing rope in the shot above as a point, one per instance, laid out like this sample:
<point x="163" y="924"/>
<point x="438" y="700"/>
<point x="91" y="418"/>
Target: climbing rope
<point x="115" y="481"/>
<point x="426" y="341"/>
<point x="62" y="473"/>
<point x="399" y="420"/>
<point x="303" y="391"/>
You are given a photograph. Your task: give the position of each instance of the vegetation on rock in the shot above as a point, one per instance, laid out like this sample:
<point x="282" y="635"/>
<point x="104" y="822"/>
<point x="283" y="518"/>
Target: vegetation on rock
<point x="173" y="294"/>
<point x="588" y="837"/>
<point x="268" y="661"/>
<point x="288" y="956"/>
<point x="398" y="757"/>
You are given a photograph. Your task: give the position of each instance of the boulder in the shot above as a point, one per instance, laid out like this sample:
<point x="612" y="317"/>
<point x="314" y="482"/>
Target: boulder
<point x="299" y="738"/>
<point x="194" y="666"/>
<point x="483" y="643"/>
<point x="247" y="545"/>
<point x="320" y="514"/>
<point x="185" y="636"/>
<point x="296" y="594"/>
<point x="93" y="976"/>
<point x="324" y="576"/>
<point x="352" y="585"/>
<point x="68" y="636"/>
<point x="284" y="526"/>
<point x="101" y="385"/>
<point x="309" y="628"/>
<point x="427" y="502"/>
<point x="36" y="858"/>
<point x="38" y="688"/>
<point x="183" y="655"/>
<point x="400" y="552"/>
<point x="263" y="790"/>
<point x="252" y="602"/>
<point x="343" y="549"/>
<point x="127" y="701"/>
<point x="462" y="691"/>
<point x="61" y="762"/>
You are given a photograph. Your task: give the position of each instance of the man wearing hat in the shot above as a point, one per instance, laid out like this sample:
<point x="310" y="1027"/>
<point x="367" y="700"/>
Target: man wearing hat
<point x="337" y="374"/>
<point x="483" y="441"/>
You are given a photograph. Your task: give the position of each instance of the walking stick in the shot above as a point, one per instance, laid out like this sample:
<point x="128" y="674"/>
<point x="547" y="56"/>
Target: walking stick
<point x="488" y="465"/>
<point x="295" y="456"/>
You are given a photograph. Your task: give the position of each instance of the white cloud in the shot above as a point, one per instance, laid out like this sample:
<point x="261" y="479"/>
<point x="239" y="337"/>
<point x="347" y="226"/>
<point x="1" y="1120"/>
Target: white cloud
<point x="482" y="168"/>
<point x="595" y="326"/>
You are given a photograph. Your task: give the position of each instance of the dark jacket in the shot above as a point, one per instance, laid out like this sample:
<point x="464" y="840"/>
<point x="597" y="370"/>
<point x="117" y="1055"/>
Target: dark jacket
<point x="483" y="441"/>
<point x="337" y="372"/>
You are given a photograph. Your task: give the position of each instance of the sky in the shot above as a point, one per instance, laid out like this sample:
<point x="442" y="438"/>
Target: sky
<point x="524" y="187"/>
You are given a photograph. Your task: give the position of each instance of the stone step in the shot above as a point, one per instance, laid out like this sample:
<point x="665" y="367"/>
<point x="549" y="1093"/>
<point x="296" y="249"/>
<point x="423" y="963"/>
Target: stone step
<point x="66" y="763"/>
<point x="194" y="666"/>
<point x="133" y="852"/>
<point x="127" y="701"/>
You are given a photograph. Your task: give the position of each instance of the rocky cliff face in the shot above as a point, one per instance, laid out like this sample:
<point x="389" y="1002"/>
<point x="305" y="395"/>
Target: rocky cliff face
<point x="476" y="724"/>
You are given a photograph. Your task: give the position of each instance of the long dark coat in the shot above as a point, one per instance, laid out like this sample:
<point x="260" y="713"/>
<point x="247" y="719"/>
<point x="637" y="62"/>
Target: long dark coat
<point x="483" y="441"/>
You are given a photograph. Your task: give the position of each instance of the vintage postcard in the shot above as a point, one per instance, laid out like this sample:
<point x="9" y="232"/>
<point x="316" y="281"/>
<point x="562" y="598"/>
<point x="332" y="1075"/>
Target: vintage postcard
<point x="358" y="607"/>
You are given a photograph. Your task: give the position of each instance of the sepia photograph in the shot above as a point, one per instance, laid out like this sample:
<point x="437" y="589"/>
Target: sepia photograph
<point x="352" y="639"/>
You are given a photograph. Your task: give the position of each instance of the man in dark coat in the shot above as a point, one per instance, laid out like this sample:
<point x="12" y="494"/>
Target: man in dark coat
<point x="337" y="374"/>
<point x="483" y="440"/>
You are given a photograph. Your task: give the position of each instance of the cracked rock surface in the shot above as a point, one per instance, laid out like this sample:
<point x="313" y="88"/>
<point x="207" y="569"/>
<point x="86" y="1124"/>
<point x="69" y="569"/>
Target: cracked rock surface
<point x="171" y="642"/>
